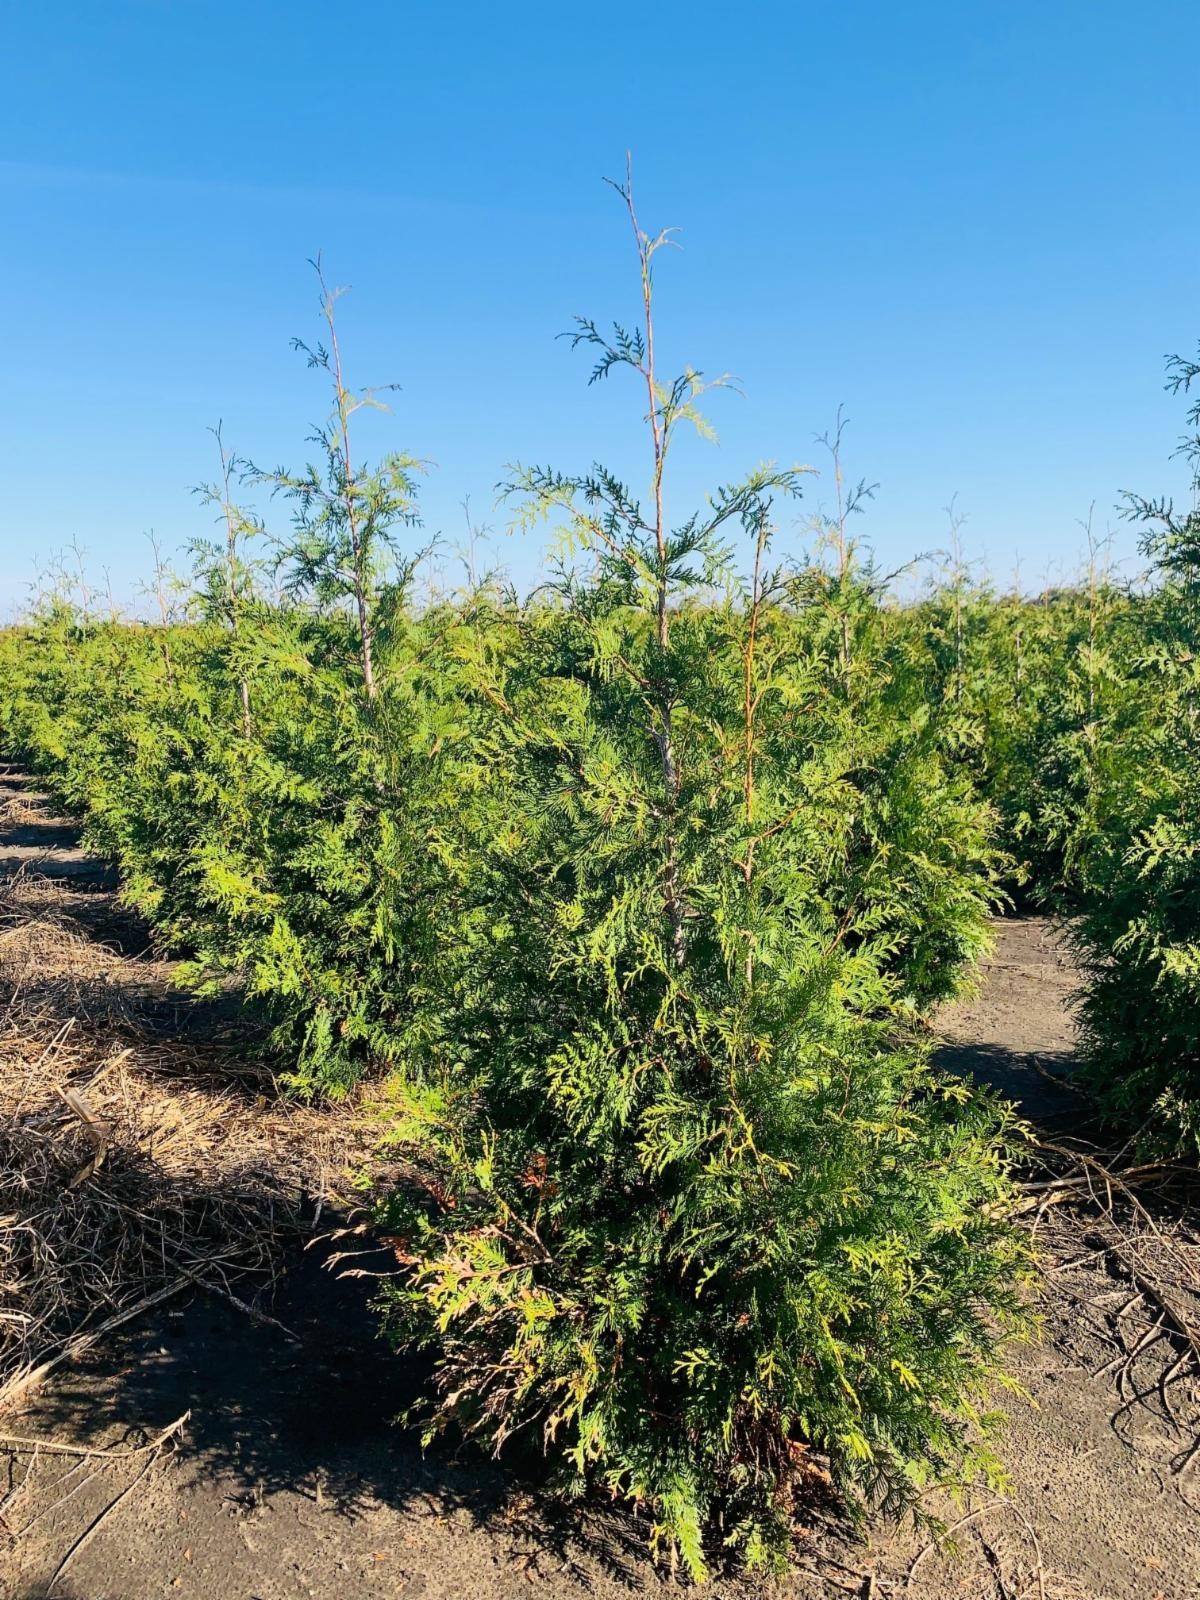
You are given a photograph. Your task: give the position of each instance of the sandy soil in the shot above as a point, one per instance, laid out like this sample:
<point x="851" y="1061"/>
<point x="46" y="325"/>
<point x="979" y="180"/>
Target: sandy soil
<point x="290" y="1479"/>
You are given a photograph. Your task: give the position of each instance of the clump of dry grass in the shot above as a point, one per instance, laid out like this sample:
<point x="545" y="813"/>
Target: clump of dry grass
<point x="19" y="806"/>
<point x="133" y="1162"/>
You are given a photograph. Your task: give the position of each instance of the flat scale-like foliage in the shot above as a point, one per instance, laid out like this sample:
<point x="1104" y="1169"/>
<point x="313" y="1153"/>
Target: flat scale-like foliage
<point x="700" y="1214"/>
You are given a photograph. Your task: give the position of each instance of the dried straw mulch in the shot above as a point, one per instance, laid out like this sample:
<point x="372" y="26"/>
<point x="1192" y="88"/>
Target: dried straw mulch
<point x="136" y="1160"/>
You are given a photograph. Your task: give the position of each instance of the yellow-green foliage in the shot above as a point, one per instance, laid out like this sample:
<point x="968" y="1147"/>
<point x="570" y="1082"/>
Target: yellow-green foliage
<point x="1139" y="934"/>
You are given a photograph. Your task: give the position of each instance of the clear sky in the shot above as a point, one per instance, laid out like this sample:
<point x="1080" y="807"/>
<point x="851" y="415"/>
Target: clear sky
<point x="974" y="224"/>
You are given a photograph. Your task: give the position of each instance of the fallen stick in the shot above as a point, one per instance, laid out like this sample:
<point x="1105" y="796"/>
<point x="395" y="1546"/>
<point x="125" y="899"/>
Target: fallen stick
<point x="54" y="1505"/>
<point x="1108" y="1177"/>
<point x="113" y="1061"/>
<point x="248" y="1310"/>
<point x="1143" y="1173"/>
<point x="1160" y="1295"/>
<point x="94" y="1526"/>
<point x="83" y="1342"/>
<point x="1163" y="1298"/>
<point x="973" y="1516"/>
<point x="57" y="1447"/>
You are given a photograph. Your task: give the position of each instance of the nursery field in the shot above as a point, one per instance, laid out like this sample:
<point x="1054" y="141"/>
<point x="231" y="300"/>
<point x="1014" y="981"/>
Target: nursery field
<point x="515" y="1016"/>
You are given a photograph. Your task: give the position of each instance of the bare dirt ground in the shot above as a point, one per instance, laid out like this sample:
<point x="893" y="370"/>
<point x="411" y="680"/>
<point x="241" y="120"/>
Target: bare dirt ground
<point x="242" y="1428"/>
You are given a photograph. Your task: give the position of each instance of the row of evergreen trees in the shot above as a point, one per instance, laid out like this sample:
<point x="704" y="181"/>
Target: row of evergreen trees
<point x="1077" y="716"/>
<point x="629" y="900"/>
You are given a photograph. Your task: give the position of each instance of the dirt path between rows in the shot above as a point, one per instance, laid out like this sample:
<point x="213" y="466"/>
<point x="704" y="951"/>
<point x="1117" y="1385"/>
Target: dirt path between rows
<point x="289" y="1478"/>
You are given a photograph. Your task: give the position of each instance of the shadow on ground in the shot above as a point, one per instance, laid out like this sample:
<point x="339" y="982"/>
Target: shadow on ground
<point x="1038" y="1082"/>
<point x="309" y="1429"/>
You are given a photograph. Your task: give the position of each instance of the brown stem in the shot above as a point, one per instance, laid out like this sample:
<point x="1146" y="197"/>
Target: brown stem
<point x="749" y="704"/>
<point x="749" y="699"/>
<point x="168" y="665"/>
<point x="839" y="482"/>
<point x="231" y="537"/>
<point x="662" y="729"/>
<point x="362" y="595"/>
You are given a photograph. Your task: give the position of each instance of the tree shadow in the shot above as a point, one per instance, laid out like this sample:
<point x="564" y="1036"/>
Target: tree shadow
<point x="319" y="1416"/>
<point x="1038" y="1082"/>
<point x="36" y="838"/>
<point x="67" y="865"/>
<point x="96" y="911"/>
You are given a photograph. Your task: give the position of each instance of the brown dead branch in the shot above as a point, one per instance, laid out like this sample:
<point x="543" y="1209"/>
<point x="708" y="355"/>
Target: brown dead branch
<point x="1137" y="1223"/>
<point x="95" y="1525"/>
<point x="12" y="1441"/>
<point x="1039" y="1571"/>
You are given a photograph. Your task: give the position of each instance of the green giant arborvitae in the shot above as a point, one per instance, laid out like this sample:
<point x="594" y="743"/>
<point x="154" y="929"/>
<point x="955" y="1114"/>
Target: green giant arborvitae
<point x="695" y="1210"/>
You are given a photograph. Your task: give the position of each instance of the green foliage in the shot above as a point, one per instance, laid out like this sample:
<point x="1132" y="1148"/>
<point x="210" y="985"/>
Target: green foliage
<point x="346" y="516"/>
<point x="1029" y="697"/>
<point x="267" y="778"/>
<point x="633" y="896"/>
<point x="1139" y="936"/>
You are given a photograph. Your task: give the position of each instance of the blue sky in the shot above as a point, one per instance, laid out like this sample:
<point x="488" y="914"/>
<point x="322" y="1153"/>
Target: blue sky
<point x="974" y="225"/>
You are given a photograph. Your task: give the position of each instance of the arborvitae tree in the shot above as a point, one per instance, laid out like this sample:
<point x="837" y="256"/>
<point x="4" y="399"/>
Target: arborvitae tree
<point x="347" y="515"/>
<point x="1139" y="937"/>
<point x="1028" y="694"/>
<point x="165" y="587"/>
<point x="314" y="859"/>
<point x="270" y="781"/>
<point x="226" y="573"/>
<point x="913" y="859"/>
<point x="693" y="1206"/>
<point x="833" y="529"/>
